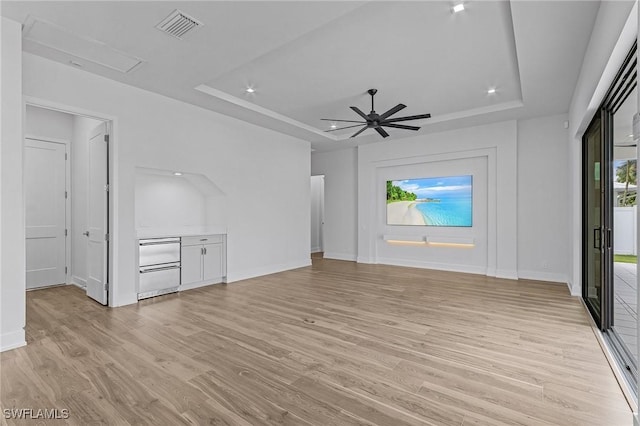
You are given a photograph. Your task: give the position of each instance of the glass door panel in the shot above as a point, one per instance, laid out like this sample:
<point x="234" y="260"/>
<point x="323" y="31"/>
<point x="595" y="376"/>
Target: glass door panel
<point x="625" y="251"/>
<point x="592" y="199"/>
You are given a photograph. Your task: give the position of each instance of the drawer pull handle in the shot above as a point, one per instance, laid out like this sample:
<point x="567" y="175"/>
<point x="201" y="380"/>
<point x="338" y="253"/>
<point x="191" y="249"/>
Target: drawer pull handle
<point x="146" y="271"/>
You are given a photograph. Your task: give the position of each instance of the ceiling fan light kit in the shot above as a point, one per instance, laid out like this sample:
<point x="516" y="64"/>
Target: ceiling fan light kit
<point x="376" y="121"/>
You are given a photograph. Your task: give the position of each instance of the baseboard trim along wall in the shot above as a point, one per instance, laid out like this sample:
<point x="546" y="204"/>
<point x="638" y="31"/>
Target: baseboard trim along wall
<point x="80" y="282"/>
<point x="340" y="256"/>
<point x="507" y="274"/>
<point x="266" y="270"/>
<point x="543" y="276"/>
<point x="480" y="270"/>
<point x="13" y="340"/>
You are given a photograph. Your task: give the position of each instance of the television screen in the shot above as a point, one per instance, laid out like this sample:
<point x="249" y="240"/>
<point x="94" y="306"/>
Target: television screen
<point x="439" y="201"/>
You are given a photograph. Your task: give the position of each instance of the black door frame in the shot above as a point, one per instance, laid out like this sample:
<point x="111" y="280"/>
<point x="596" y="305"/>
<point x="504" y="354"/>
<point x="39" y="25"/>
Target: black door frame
<point x="623" y="84"/>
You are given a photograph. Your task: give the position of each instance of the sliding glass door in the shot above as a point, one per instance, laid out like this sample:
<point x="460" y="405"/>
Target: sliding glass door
<point x="593" y="232"/>
<point x="609" y="217"/>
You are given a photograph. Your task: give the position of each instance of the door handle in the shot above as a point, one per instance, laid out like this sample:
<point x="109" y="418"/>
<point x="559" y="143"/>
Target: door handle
<point x="85" y="233"/>
<point x="597" y="239"/>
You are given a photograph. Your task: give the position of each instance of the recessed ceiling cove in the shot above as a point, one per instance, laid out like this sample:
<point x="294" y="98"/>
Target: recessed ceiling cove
<point x="415" y="51"/>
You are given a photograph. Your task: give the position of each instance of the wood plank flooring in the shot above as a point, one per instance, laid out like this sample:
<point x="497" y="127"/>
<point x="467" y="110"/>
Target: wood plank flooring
<point x="337" y="343"/>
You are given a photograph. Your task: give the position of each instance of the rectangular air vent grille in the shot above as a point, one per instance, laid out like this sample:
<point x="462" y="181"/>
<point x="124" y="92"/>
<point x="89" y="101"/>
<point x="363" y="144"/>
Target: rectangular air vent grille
<point x="178" y="24"/>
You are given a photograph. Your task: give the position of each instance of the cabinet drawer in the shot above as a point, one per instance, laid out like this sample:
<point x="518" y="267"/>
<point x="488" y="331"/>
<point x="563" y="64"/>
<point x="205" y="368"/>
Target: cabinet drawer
<point x="159" y="279"/>
<point x="203" y="239"/>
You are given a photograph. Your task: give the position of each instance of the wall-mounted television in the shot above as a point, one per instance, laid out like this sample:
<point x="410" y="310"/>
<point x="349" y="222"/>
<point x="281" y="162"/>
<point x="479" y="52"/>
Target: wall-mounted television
<point x="434" y="201"/>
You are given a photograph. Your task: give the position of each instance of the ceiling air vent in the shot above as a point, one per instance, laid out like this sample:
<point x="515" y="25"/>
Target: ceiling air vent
<point x="178" y="24"/>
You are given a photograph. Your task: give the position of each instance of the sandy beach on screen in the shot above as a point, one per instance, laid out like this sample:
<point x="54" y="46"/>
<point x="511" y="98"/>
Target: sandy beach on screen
<point x="404" y="213"/>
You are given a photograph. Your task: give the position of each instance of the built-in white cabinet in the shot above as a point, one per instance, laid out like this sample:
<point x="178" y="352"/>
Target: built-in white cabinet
<point x="203" y="260"/>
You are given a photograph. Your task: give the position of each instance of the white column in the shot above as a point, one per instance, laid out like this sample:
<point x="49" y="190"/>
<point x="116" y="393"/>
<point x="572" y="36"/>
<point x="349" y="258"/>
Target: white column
<point x="12" y="248"/>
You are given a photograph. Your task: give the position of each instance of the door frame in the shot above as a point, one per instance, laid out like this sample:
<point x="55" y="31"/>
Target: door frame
<point x="112" y="127"/>
<point x="624" y="83"/>
<point x="321" y="213"/>
<point x="67" y="188"/>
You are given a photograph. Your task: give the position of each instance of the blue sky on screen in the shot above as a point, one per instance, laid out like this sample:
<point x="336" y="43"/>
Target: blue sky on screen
<point x="440" y="187"/>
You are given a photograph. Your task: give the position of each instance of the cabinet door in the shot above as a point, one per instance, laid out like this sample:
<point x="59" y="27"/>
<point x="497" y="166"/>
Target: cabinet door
<point x="212" y="263"/>
<point x="191" y="264"/>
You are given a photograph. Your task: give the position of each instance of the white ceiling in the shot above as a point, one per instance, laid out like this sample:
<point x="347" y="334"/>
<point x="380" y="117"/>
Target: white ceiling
<point x="313" y="59"/>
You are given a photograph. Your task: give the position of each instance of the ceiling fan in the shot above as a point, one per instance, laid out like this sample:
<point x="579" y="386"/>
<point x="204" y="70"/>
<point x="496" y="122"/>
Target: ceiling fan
<point x="376" y="121"/>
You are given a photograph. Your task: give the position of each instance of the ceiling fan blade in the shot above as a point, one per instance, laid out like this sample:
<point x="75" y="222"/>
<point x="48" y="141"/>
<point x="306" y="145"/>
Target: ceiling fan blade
<point x="360" y="113"/>
<point x="382" y="132"/>
<point x="341" y="128"/>
<point x="342" y="121"/>
<point x="392" y="111"/>
<point x="410" y="117"/>
<point x="360" y="131"/>
<point x="400" y="126"/>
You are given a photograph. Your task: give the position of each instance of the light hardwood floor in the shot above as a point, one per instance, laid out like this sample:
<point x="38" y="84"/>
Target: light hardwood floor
<point x="337" y="343"/>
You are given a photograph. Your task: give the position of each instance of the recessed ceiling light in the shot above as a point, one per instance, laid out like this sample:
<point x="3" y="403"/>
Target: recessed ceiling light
<point x="491" y="91"/>
<point x="333" y="125"/>
<point x="458" y="8"/>
<point x="629" y="136"/>
<point x="250" y="90"/>
<point x="177" y="174"/>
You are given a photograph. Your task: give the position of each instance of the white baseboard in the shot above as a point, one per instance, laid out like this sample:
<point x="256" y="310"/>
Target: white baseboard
<point x="12" y="340"/>
<point x="507" y="274"/>
<point x="266" y="270"/>
<point x="575" y="290"/>
<point x="543" y="276"/>
<point x="77" y="281"/>
<point x="316" y="249"/>
<point x="191" y="286"/>
<point x="340" y="256"/>
<point x="482" y="270"/>
<point x="129" y="299"/>
<point x="362" y="259"/>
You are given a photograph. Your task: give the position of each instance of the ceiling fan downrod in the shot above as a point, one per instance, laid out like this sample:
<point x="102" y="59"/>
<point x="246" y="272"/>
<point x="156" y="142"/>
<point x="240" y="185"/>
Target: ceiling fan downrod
<point x="372" y="92"/>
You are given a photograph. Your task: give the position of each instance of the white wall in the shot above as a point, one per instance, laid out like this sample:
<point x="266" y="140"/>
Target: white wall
<point x="340" y="201"/>
<point x="496" y="251"/>
<point x="168" y="202"/>
<point x="544" y="199"/>
<point x="48" y="124"/>
<point x="82" y="126"/>
<point x="258" y="169"/>
<point x="519" y="169"/>
<point x="12" y="245"/>
<point x="317" y="211"/>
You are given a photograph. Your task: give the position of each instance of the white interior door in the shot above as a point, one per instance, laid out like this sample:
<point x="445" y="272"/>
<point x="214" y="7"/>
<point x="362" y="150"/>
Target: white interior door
<point x="97" y="215"/>
<point x="45" y="212"/>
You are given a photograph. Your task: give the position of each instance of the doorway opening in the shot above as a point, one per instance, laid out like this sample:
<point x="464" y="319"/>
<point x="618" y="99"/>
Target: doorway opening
<point x="609" y="252"/>
<point x="317" y="216"/>
<point x="66" y="176"/>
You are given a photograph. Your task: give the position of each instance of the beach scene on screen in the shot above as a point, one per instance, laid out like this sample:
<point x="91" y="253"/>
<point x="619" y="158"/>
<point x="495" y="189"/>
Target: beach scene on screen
<point x="441" y="201"/>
